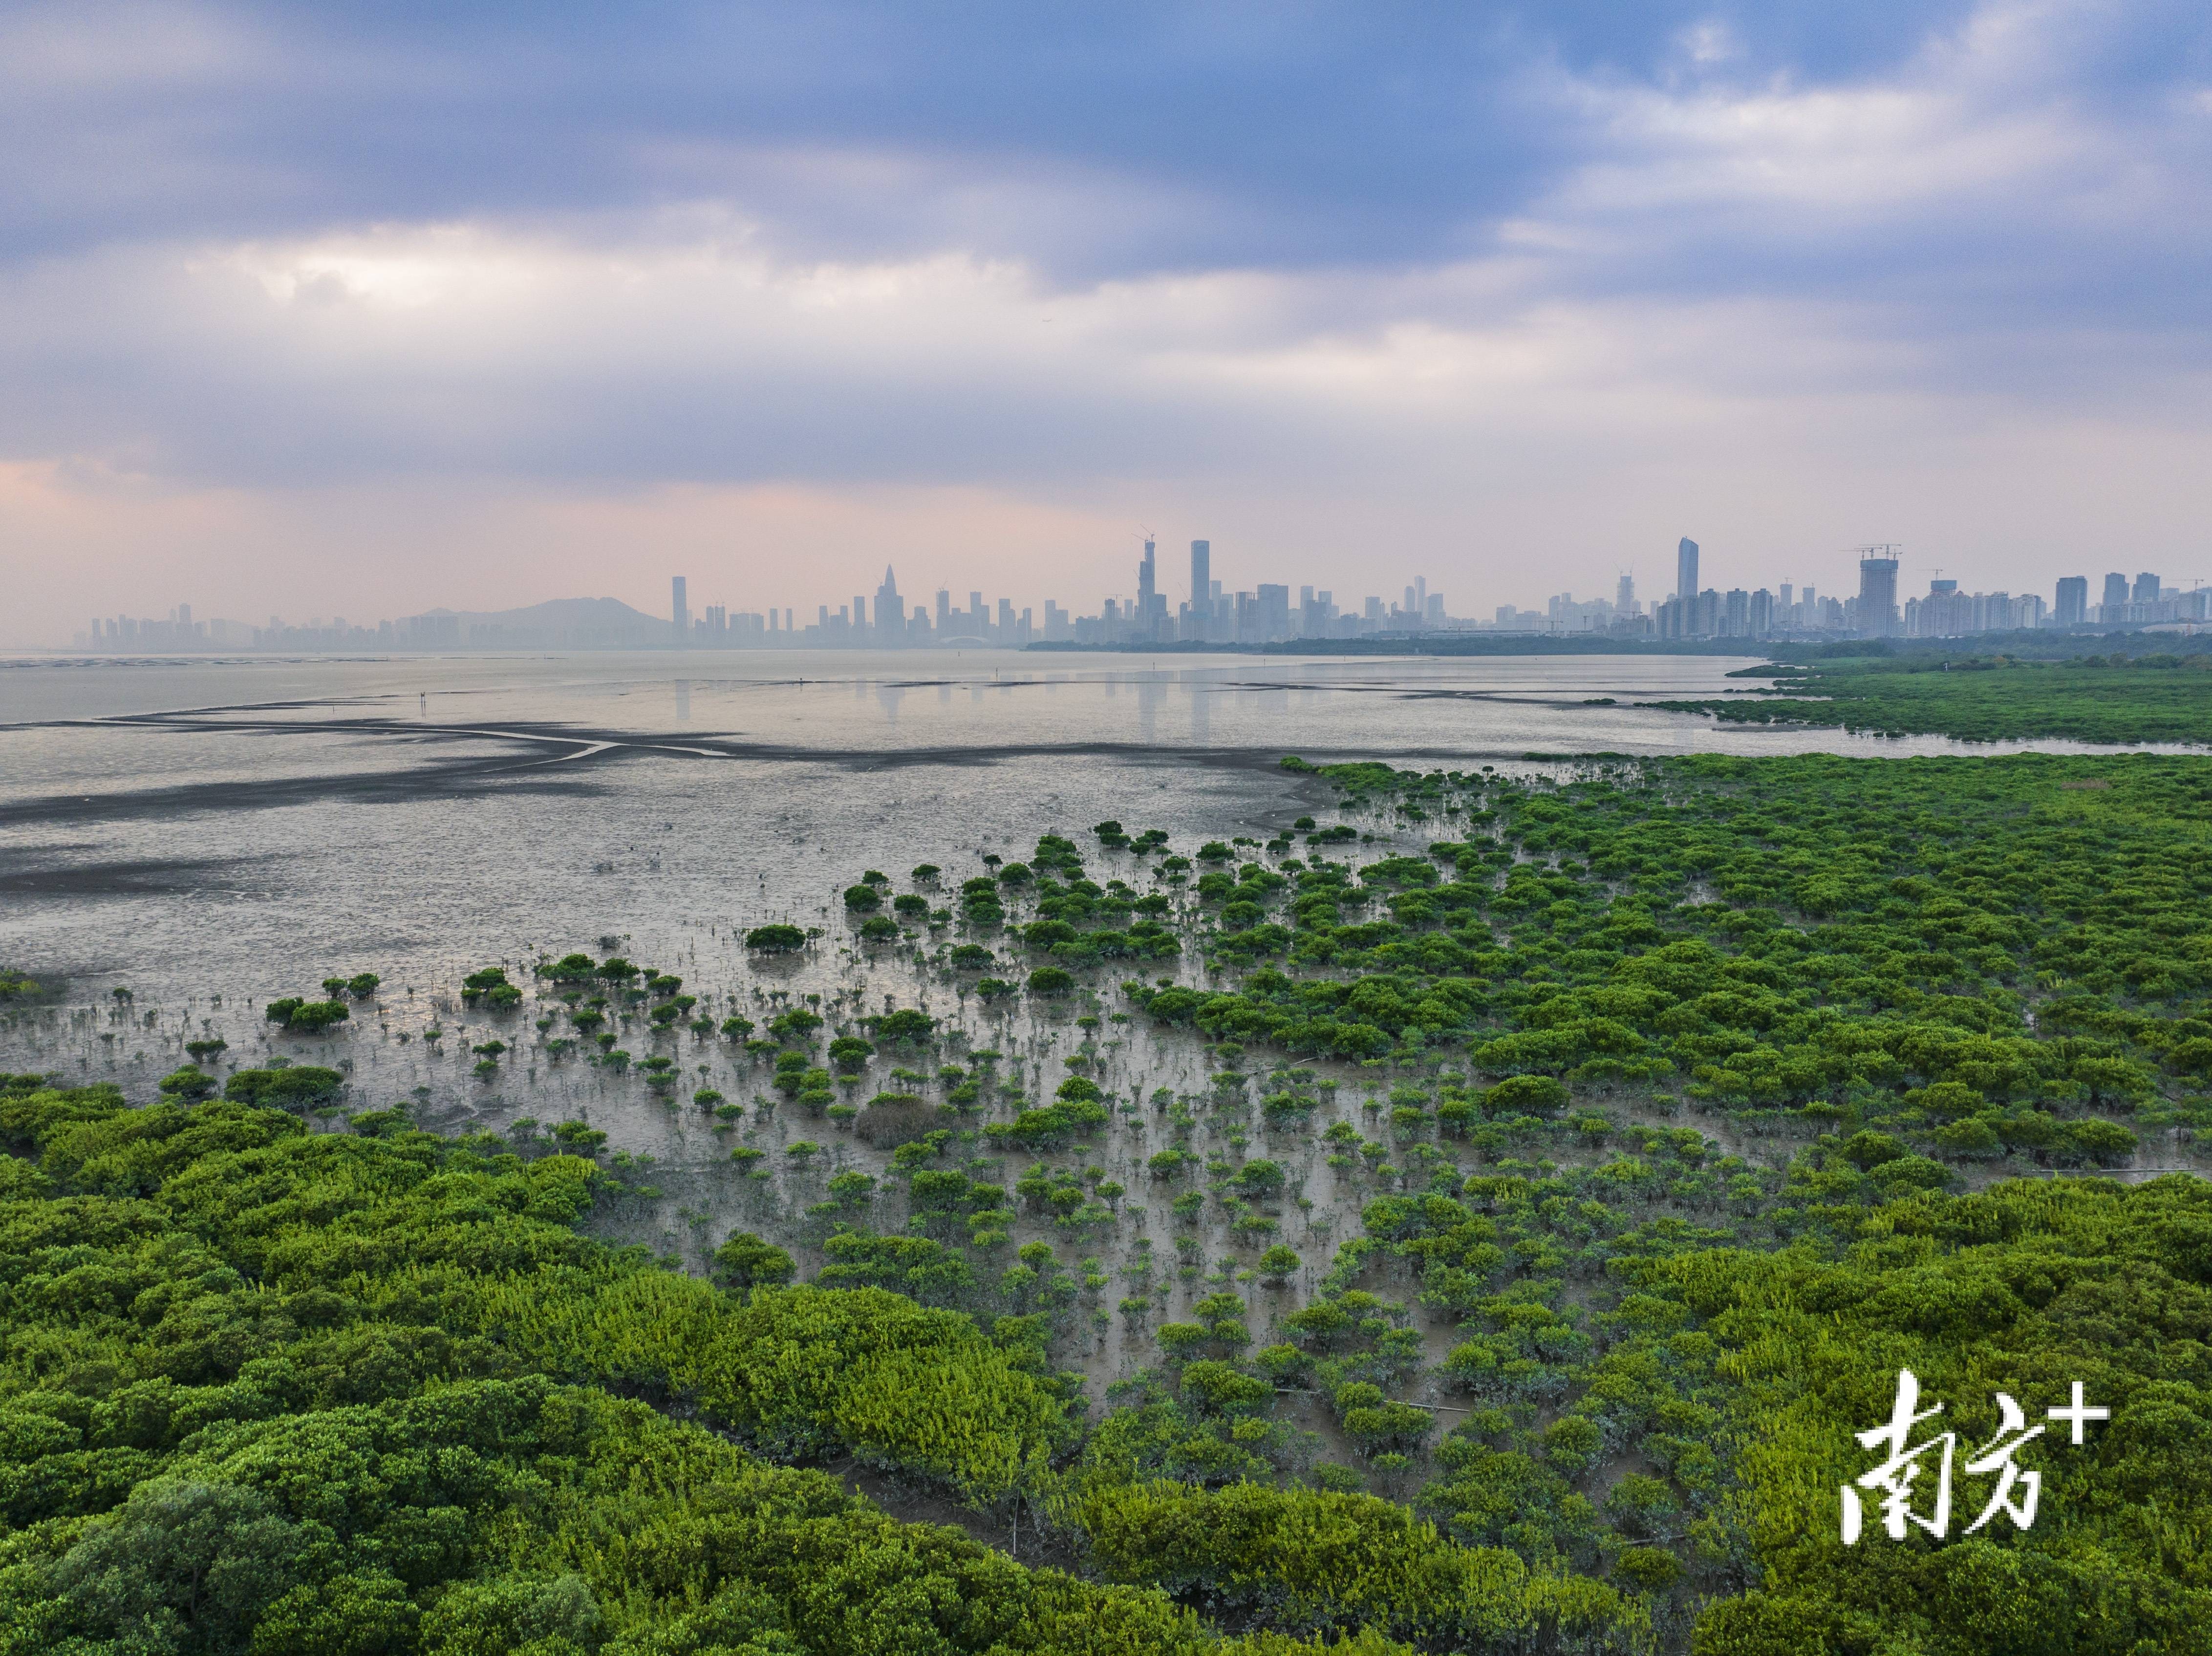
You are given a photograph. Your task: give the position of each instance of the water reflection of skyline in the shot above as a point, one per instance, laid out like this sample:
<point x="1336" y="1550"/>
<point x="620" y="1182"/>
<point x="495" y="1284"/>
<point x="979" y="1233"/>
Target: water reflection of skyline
<point x="1276" y="707"/>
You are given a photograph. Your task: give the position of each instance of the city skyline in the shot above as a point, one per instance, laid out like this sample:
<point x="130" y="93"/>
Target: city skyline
<point x="1210" y="614"/>
<point x="1564" y="611"/>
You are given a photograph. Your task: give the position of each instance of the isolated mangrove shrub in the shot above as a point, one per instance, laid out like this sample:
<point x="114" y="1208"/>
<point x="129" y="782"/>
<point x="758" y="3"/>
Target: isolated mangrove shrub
<point x="1526" y="1095"/>
<point x="491" y="988"/>
<point x="797" y="1024"/>
<point x="296" y="1087"/>
<point x="308" y="1016"/>
<point x="188" y="1084"/>
<point x="746" y="1261"/>
<point x="907" y="1026"/>
<point x="1074" y="1112"/>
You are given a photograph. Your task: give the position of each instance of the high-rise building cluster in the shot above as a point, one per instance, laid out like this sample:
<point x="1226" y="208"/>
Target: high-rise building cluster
<point x="2145" y="601"/>
<point x="1783" y="610"/>
<point x="178" y="631"/>
<point x="1267" y="613"/>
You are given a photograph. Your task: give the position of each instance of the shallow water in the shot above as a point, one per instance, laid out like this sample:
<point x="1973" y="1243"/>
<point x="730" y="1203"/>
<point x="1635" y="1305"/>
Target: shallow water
<point x="181" y="824"/>
<point x="247" y="827"/>
<point x="213" y="835"/>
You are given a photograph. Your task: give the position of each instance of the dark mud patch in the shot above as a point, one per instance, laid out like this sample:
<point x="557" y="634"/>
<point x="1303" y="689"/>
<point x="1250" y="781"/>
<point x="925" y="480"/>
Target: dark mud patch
<point x="22" y="876"/>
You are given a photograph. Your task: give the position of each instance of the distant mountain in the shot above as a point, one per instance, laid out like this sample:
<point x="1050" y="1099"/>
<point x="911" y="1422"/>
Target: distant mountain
<point x="569" y="622"/>
<point x="556" y="612"/>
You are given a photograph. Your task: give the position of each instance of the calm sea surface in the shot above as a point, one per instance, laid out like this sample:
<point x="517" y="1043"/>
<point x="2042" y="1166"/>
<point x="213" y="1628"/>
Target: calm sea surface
<point x="248" y="826"/>
<point x="213" y="835"/>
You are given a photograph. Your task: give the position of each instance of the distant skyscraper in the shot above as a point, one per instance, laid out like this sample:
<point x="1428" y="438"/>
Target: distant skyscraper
<point x="2146" y="592"/>
<point x="2115" y="593"/>
<point x="1145" y="571"/>
<point x="1736" y="613"/>
<point x="1686" y="568"/>
<point x="890" y="610"/>
<point x="2073" y="605"/>
<point x="683" y="627"/>
<point x="1274" y="612"/>
<point x="1624" y="594"/>
<point x="1878" y="596"/>
<point x="1201" y="588"/>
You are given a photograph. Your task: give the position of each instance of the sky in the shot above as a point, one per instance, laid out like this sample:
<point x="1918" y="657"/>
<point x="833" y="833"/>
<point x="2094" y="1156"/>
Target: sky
<point x="313" y="311"/>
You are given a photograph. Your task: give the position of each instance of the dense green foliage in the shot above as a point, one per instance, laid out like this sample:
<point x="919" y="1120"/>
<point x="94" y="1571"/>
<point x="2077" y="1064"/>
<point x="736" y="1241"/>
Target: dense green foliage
<point x="1698" y="1098"/>
<point x="273" y="1390"/>
<point x="2025" y="1288"/>
<point x="2146" y="697"/>
<point x="1923" y="973"/>
<point x="1987" y="954"/>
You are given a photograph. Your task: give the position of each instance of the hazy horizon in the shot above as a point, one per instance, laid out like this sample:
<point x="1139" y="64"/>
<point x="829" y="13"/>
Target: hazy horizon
<point x="313" y="311"/>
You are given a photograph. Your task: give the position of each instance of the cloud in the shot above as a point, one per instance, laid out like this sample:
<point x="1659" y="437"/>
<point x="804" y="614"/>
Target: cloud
<point x="1194" y="137"/>
<point x="1334" y="286"/>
